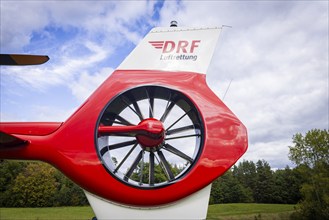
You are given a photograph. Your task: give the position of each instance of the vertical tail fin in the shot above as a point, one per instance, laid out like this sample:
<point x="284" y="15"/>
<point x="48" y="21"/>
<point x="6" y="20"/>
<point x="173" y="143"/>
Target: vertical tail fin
<point x="174" y="49"/>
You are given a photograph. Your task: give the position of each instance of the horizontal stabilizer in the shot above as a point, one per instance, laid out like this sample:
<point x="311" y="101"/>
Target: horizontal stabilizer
<point x="7" y="140"/>
<point x="22" y="59"/>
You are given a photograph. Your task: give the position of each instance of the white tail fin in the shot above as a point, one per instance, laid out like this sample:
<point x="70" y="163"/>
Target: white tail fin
<point x="174" y="49"/>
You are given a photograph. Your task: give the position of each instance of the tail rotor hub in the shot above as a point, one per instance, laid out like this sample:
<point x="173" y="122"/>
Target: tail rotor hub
<point x="154" y="134"/>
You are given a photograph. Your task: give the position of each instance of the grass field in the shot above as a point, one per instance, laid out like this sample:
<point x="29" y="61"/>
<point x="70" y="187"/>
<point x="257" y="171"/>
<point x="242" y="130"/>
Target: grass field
<point x="243" y="211"/>
<point x="249" y="211"/>
<point x="56" y="213"/>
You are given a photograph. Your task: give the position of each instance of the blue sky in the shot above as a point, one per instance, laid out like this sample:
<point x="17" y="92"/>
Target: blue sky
<point x="276" y="55"/>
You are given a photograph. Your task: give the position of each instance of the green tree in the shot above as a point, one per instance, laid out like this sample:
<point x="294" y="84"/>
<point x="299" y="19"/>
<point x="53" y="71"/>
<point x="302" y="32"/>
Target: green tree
<point x="227" y="189"/>
<point x="159" y="174"/>
<point x="35" y="186"/>
<point x="311" y="154"/>
<point x="311" y="149"/>
<point x="216" y="193"/>
<point x="67" y="192"/>
<point x="9" y="170"/>
<point x="246" y="174"/>
<point x="264" y="190"/>
<point x="287" y="186"/>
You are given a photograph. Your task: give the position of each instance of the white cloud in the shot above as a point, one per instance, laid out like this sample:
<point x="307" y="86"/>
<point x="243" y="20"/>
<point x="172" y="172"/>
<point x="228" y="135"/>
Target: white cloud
<point x="87" y="83"/>
<point x="95" y="30"/>
<point x="93" y="19"/>
<point x="51" y="113"/>
<point x="18" y="22"/>
<point x="79" y="37"/>
<point x="274" y="152"/>
<point x="276" y="55"/>
<point x="62" y="72"/>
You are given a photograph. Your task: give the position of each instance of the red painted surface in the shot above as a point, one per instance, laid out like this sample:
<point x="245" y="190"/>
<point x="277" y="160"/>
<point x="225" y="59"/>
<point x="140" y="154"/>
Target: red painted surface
<point x="29" y="128"/>
<point x="71" y="146"/>
<point x="149" y="132"/>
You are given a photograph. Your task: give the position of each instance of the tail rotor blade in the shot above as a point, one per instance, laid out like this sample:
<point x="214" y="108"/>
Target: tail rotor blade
<point x="22" y="59"/>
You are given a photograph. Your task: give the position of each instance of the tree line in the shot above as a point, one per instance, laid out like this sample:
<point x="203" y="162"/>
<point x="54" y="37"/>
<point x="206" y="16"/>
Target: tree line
<point x="37" y="184"/>
<point x="250" y="182"/>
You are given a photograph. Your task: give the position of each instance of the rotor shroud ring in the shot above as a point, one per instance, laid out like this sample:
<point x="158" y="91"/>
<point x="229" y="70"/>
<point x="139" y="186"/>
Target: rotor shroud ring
<point x="136" y="156"/>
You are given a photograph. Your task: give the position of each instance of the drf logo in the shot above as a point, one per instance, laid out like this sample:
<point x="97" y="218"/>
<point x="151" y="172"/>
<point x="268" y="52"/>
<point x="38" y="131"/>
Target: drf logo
<point x="181" y="46"/>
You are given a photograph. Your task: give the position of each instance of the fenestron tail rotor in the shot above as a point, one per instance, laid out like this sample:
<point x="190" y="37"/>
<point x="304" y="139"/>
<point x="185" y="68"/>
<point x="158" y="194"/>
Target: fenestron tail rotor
<point x="22" y="59"/>
<point x="150" y="136"/>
